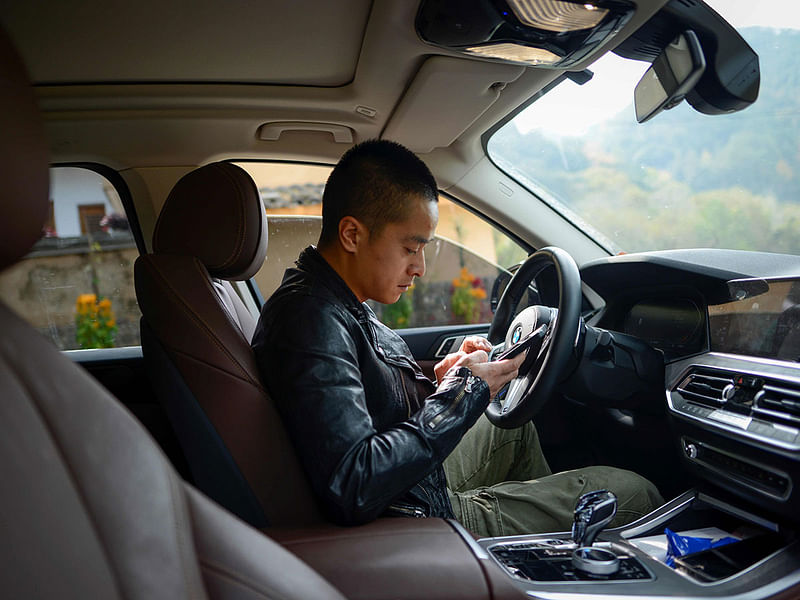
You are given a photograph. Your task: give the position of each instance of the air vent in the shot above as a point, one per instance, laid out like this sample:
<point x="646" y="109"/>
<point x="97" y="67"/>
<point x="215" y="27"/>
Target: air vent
<point x="759" y="407"/>
<point x="779" y="402"/>
<point x="705" y="388"/>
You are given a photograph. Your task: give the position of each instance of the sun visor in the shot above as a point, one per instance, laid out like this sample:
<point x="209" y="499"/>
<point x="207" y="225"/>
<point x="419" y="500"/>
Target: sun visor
<point x="456" y="91"/>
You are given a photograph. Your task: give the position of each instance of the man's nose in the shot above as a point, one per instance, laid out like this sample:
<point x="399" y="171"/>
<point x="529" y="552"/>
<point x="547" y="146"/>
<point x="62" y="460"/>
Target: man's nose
<point x="418" y="265"/>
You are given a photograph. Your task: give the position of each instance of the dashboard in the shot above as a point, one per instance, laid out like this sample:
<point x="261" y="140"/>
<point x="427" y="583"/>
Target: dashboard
<point x="686" y="302"/>
<point x="674" y="325"/>
<point x="761" y="319"/>
<point x="727" y="324"/>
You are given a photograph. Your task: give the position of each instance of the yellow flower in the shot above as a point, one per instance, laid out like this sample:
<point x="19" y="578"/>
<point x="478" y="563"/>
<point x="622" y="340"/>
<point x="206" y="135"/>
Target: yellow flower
<point x="85" y="302"/>
<point x="110" y="323"/>
<point x="104" y="304"/>
<point x="478" y="293"/>
<point x="96" y="325"/>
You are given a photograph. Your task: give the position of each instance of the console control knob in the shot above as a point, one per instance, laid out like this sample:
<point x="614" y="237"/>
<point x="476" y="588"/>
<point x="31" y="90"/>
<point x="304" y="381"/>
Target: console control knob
<point x="596" y="561"/>
<point x="690" y="450"/>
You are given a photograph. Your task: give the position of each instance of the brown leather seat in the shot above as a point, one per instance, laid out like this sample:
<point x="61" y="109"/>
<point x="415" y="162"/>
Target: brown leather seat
<point x="90" y="506"/>
<point x="196" y="335"/>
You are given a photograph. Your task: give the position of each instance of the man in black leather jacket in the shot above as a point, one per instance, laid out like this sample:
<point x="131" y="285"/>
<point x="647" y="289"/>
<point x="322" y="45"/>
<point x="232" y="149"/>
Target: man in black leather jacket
<point x="371" y="430"/>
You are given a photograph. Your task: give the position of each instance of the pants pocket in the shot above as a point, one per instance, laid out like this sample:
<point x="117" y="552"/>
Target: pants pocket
<point x="479" y="512"/>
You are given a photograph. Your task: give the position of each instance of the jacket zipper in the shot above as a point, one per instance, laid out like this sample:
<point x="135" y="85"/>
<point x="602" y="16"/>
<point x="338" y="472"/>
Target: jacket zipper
<point x="408" y="511"/>
<point x="434" y="422"/>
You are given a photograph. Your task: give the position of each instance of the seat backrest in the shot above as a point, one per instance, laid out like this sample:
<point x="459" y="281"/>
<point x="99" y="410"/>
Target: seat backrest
<point x="196" y="341"/>
<point x="91" y="508"/>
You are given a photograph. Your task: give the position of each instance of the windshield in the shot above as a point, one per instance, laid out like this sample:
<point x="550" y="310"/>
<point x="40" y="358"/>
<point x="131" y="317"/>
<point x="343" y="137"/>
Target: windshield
<point x="682" y="179"/>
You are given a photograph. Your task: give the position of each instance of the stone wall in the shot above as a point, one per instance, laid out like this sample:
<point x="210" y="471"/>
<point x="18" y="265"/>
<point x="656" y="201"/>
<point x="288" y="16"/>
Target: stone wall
<point x="43" y="287"/>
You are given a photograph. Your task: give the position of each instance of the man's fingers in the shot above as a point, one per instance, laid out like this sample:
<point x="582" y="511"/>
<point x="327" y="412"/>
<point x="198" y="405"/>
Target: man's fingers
<point x="472" y="343"/>
<point x="446" y="363"/>
<point x="456" y="358"/>
<point x="474" y="358"/>
<point x="497" y="373"/>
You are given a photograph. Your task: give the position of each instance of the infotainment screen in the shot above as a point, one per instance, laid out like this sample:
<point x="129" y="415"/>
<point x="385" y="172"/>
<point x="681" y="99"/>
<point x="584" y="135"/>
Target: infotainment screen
<point x="762" y="319"/>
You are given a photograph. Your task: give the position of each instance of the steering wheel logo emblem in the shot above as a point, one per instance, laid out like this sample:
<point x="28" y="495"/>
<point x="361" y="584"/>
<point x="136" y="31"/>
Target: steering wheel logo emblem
<point x="516" y="334"/>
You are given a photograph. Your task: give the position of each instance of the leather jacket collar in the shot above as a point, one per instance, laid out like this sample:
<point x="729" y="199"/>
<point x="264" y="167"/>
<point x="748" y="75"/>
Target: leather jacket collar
<point x="311" y="261"/>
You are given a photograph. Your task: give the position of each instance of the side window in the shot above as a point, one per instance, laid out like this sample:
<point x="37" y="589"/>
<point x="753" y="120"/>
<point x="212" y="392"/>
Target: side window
<point x="76" y="284"/>
<point x="462" y="262"/>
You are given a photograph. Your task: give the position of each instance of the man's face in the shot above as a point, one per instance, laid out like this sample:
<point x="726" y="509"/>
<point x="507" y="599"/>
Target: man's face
<point x="390" y="260"/>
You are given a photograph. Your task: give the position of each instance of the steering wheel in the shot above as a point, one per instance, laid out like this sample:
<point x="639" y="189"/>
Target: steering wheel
<point x="545" y="365"/>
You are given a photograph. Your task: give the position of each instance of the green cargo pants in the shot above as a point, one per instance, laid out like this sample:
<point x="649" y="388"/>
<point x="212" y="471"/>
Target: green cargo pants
<point x="500" y="484"/>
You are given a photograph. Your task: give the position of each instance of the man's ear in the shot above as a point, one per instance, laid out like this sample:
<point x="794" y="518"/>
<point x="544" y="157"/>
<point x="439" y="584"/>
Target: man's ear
<point x="351" y="233"/>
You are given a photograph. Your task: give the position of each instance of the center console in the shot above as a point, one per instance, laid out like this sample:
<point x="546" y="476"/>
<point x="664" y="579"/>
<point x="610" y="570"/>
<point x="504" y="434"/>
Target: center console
<point x="764" y="559"/>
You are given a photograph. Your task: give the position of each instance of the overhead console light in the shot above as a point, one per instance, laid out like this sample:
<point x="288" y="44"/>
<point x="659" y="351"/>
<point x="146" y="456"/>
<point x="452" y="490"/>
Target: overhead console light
<point x="557" y="16"/>
<point x="515" y="53"/>
<point x="544" y="33"/>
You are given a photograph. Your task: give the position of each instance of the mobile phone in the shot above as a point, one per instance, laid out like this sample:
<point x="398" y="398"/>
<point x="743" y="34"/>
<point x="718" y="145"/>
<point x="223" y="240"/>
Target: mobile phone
<point x="522" y="345"/>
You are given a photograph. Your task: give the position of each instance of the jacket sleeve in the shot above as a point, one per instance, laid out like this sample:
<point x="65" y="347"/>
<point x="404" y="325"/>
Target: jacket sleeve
<point x="310" y="366"/>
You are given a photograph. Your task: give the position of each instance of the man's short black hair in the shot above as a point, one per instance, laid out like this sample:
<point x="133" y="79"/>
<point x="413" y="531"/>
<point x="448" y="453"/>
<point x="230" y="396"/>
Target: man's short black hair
<point x="375" y="182"/>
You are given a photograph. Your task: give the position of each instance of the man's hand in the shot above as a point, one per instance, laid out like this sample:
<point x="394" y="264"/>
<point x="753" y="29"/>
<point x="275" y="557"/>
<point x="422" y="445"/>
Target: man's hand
<point x="496" y="373"/>
<point x="470" y="344"/>
<point x="443" y="366"/>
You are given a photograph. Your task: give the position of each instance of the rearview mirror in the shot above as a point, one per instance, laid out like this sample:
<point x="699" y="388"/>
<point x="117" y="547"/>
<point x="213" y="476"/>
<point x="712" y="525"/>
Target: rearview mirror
<point x="671" y="76"/>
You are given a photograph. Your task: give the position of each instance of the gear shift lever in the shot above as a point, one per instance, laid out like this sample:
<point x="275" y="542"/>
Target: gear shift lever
<point x="592" y="513"/>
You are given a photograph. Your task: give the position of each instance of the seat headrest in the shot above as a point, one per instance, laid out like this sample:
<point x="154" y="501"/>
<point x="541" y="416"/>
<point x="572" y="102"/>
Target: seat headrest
<point x="24" y="162"/>
<point x="215" y="214"/>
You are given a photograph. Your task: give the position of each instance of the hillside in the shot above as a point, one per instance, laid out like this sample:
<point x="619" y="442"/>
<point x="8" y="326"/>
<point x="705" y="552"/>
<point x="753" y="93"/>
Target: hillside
<point x="684" y="178"/>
